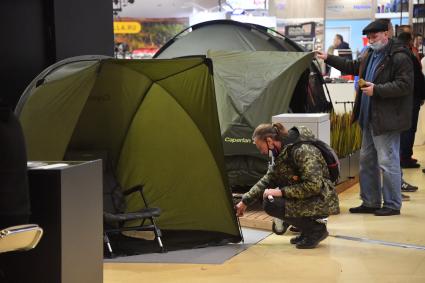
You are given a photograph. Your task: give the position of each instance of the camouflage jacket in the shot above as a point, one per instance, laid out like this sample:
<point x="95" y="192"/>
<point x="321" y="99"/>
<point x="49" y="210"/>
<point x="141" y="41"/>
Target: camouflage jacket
<point x="307" y="189"/>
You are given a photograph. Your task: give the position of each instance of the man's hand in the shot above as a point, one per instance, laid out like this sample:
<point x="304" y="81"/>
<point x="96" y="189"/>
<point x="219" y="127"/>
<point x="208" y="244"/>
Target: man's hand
<point x="321" y="55"/>
<point x="272" y="192"/>
<point x="368" y="89"/>
<point x="240" y="209"/>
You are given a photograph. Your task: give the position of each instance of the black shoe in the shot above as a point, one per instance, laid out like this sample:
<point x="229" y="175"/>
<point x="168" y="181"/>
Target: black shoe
<point x="296" y="240"/>
<point x="311" y="241"/>
<point x="409" y="163"/>
<point x="385" y="211"/>
<point x="407" y="188"/>
<point x="363" y="209"/>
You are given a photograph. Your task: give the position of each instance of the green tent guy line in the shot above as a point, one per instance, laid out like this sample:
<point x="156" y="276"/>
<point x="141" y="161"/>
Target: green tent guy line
<point x="158" y="121"/>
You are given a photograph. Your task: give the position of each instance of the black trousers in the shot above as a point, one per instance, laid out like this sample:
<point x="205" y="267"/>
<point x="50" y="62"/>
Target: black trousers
<point x="307" y="225"/>
<point x="407" y="138"/>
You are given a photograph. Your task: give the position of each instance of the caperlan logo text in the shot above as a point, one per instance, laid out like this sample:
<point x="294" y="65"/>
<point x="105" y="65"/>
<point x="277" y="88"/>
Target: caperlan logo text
<point x="237" y="140"/>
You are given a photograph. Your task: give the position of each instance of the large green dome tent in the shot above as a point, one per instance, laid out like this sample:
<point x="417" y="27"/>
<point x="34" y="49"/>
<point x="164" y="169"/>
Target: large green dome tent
<point x="258" y="73"/>
<point x="158" y="121"/>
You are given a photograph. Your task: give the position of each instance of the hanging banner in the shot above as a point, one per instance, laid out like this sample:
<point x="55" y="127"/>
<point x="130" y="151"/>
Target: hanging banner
<point x="127" y="27"/>
<point x="140" y="38"/>
<point x="349" y="9"/>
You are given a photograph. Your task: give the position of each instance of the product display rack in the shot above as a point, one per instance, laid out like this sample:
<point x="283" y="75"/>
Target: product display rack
<point x="417" y="16"/>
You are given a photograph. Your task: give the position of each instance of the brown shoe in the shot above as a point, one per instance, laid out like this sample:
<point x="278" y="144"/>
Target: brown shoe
<point x="405" y="197"/>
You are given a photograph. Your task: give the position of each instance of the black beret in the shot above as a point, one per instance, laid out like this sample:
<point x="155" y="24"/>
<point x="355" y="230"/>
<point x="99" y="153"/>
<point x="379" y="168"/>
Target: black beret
<point x="375" y="26"/>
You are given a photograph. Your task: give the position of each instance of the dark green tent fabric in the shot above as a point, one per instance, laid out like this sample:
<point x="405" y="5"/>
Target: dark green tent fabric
<point x="158" y="121"/>
<point x="258" y="73"/>
<point x="251" y="87"/>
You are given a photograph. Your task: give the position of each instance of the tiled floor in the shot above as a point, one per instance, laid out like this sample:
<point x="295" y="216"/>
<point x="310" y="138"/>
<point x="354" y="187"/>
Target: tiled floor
<point x="335" y="260"/>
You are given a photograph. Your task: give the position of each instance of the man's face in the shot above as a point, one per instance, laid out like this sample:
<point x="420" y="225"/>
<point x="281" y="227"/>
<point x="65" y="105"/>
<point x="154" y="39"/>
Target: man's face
<point x="336" y="41"/>
<point x="380" y="36"/>
<point x="262" y="145"/>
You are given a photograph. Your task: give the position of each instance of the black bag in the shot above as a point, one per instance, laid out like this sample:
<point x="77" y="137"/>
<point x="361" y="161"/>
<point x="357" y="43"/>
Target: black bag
<point x="328" y="154"/>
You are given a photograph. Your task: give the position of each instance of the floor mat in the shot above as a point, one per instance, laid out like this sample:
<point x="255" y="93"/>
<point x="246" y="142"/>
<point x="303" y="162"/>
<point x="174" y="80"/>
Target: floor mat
<point x="208" y="255"/>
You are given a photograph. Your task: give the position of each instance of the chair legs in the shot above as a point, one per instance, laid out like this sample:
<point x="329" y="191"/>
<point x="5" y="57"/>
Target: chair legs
<point x="108" y="244"/>
<point x="154" y="228"/>
<point x="158" y="236"/>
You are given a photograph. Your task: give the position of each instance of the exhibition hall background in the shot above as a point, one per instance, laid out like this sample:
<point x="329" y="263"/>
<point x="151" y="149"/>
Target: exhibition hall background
<point x="38" y="33"/>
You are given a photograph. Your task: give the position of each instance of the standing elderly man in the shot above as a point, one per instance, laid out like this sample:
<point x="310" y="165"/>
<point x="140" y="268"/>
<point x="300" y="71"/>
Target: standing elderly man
<point x="383" y="110"/>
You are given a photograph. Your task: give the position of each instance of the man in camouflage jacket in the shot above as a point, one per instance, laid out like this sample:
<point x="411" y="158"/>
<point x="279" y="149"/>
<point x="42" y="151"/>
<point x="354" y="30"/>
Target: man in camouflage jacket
<point x="301" y="174"/>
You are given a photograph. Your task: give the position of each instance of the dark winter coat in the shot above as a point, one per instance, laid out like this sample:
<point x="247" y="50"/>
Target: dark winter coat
<point x="391" y="103"/>
<point x="343" y="45"/>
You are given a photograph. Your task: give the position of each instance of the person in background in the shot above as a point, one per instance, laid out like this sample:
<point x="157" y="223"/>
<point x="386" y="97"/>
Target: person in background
<point x="407" y="138"/>
<point x="297" y="187"/>
<point x="423" y="65"/>
<point x="338" y="43"/>
<point x="417" y="46"/>
<point x="405" y="186"/>
<point x="417" y="42"/>
<point x="383" y="110"/>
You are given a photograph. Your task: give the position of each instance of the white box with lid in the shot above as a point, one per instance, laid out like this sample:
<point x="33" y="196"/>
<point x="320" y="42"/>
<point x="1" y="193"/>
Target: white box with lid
<point x="319" y="123"/>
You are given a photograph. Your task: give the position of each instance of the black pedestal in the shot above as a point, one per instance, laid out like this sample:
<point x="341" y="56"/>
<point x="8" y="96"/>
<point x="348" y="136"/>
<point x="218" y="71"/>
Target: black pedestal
<point x="67" y="203"/>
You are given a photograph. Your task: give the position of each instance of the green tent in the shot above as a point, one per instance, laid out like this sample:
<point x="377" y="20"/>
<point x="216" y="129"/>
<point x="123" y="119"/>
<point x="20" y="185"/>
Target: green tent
<point x="158" y="121"/>
<point x="258" y="73"/>
<point x="251" y="87"/>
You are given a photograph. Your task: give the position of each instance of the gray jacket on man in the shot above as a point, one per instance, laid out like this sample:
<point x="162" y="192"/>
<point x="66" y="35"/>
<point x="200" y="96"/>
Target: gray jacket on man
<point x="391" y="103"/>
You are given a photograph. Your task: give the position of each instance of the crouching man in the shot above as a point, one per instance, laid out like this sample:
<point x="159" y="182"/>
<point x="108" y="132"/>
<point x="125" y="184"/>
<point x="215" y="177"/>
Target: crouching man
<point x="297" y="187"/>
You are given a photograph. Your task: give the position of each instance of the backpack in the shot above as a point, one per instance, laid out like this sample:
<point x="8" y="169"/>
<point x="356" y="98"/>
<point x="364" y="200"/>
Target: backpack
<point x="329" y="155"/>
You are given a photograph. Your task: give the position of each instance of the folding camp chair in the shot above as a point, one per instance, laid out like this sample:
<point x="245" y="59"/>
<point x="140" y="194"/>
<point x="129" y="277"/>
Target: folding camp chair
<point x="114" y="216"/>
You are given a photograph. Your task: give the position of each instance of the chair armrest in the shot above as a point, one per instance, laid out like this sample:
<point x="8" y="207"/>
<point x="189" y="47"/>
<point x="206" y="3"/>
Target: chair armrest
<point x="137" y="188"/>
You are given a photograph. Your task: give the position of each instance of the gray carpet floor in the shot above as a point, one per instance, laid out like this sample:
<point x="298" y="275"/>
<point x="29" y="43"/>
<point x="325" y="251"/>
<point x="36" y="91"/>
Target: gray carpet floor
<point x="208" y="255"/>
